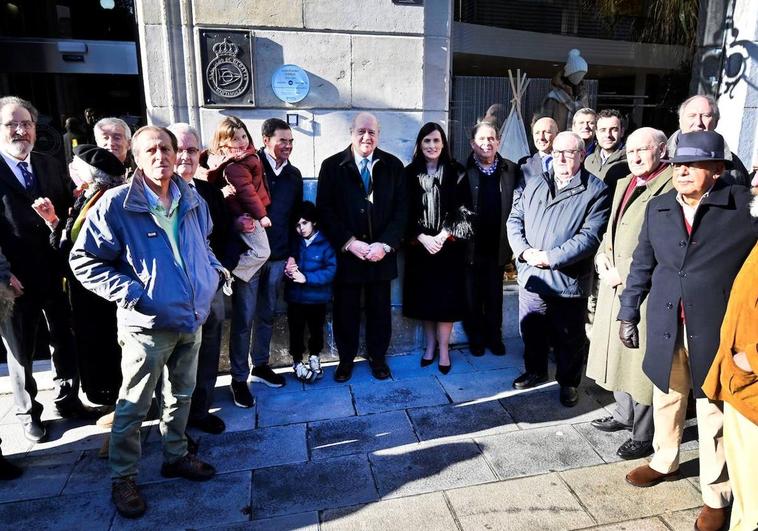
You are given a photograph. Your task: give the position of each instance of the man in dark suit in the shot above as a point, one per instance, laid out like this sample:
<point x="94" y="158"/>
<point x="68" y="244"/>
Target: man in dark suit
<point x="692" y="244"/>
<point x="544" y="130"/>
<point x="492" y="182"/>
<point x="362" y="201"/>
<point x="38" y="271"/>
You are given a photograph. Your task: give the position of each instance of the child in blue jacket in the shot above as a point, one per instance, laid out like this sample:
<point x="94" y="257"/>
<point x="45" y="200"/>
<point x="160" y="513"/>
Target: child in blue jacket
<point x="310" y="272"/>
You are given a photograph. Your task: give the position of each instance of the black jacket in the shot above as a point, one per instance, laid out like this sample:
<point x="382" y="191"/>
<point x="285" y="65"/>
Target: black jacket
<point x="24" y="236"/>
<point x="224" y="240"/>
<point x="347" y="211"/>
<point x="286" y="191"/>
<point x="509" y="179"/>
<point x="670" y="267"/>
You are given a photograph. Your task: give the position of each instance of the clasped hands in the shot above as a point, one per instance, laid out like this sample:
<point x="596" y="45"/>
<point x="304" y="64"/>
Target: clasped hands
<point x="373" y="252"/>
<point x="292" y="271"/>
<point x="535" y="258"/>
<point x="433" y="244"/>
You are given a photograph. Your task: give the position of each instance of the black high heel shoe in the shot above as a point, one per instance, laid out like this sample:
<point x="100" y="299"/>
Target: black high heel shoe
<point x="426" y="362"/>
<point x="444" y="369"/>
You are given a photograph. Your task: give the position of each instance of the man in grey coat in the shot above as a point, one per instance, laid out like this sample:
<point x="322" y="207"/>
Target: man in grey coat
<point x="554" y="230"/>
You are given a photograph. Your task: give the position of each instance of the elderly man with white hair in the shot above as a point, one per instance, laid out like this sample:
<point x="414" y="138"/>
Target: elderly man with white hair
<point x="701" y="113"/>
<point x="114" y="135"/>
<point x="610" y="363"/>
<point x="554" y="230"/>
<point x="189" y="146"/>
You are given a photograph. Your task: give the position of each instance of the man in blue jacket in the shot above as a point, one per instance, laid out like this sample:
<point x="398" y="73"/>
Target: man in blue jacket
<point x="554" y="230"/>
<point x="145" y="246"/>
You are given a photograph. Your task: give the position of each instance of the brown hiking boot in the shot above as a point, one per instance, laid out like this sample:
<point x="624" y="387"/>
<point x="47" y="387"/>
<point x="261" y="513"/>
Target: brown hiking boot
<point x="127" y="499"/>
<point x="644" y="476"/>
<point x="188" y="467"/>
<point x="710" y="519"/>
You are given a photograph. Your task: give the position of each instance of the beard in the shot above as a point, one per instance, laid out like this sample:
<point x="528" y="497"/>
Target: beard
<point x="19" y="147"/>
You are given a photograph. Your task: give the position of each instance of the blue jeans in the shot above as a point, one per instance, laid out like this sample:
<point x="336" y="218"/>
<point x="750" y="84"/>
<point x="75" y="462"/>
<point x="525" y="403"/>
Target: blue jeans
<point x="244" y="299"/>
<point x="271" y="280"/>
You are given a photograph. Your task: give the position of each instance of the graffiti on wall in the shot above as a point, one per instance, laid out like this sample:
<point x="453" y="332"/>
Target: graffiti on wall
<point x="725" y="66"/>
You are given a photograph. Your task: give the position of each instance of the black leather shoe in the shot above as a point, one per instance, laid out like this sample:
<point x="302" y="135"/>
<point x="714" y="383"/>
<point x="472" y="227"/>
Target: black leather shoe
<point x="609" y="424"/>
<point x="77" y="410"/>
<point x="381" y="372"/>
<point x="635" y="449"/>
<point x="476" y="350"/>
<point x="209" y="424"/>
<point x="497" y="348"/>
<point x="35" y="431"/>
<point x="569" y="396"/>
<point x="343" y="373"/>
<point x="444" y="369"/>
<point x="529" y="380"/>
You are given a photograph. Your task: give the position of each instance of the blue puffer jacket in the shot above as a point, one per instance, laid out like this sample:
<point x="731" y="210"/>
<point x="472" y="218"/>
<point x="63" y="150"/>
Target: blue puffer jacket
<point x="568" y="226"/>
<point x="122" y="255"/>
<point x="319" y="264"/>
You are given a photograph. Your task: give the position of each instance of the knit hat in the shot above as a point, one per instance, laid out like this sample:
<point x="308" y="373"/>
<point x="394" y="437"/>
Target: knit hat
<point x="576" y="67"/>
<point x="100" y="159"/>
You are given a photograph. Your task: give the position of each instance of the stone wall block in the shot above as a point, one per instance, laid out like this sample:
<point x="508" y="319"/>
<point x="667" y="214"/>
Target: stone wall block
<point x="302" y="154"/>
<point x="279" y="13"/>
<point x="149" y="11"/>
<point x="374" y="16"/>
<point x="324" y="56"/>
<point x="436" y="73"/>
<point x="398" y="132"/>
<point x="388" y="72"/>
<point x="154" y="67"/>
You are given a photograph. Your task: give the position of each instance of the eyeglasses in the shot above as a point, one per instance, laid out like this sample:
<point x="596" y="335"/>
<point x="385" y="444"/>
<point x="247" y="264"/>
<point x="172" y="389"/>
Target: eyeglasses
<point x="639" y="151"/>
<point x="568" y="153"/>
<point x="26" y="125"/>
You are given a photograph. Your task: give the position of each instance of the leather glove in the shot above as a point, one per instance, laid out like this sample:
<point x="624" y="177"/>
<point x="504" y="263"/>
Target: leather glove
<point x="629" y="334"/>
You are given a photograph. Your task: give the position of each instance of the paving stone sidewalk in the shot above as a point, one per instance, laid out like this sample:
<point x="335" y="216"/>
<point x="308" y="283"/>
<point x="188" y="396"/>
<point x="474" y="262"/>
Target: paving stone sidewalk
<point x="420" y="451"/>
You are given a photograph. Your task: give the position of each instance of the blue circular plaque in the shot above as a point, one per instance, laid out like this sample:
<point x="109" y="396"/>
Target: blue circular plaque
<point x="290" y="83"/>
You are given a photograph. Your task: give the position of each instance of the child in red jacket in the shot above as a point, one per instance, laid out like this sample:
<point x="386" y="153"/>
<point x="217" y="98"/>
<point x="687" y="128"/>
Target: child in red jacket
<point x="232" y="156"/>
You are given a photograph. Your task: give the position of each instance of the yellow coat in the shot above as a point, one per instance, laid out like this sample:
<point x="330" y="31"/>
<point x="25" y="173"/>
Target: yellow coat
<point x="739" y="333"/>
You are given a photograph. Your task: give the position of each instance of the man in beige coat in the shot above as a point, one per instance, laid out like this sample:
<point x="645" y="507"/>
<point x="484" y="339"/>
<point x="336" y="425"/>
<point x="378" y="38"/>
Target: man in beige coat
<point x="610" y="364"/>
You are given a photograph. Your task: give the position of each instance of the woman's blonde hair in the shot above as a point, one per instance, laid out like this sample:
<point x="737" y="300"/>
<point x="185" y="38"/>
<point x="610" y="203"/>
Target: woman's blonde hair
<point x="225" y="132"/>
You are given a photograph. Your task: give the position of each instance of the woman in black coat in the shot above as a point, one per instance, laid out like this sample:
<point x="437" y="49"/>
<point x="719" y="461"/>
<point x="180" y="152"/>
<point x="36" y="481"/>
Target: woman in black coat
<point x="95" y="170"/>
<point x="433" y="288"/>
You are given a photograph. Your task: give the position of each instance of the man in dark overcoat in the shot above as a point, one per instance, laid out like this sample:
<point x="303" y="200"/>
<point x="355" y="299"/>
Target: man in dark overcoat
<point x="37" y="270"/>
<point x="692" y="244"/>
<point x="362" y="202"/>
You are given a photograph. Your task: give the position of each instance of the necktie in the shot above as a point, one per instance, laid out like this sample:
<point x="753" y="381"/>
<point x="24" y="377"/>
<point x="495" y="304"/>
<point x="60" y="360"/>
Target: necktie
<point x="365" y="175"/>
<point x="27" y="175"/>
<point x="546" y="163"/>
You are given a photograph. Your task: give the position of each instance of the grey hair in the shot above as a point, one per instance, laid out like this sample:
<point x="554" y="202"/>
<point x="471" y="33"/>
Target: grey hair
<point x="359" y="115"/>
<point x="711" y="101"/>
<point x="579" y="141"/>
<point x="586" y="110"/>
<point x="15" y="100"/>
<point x="180" y="128"/>
<point x="112" y="120"/>
<point x="659" y="137"/>
<point x="484" y="123"/>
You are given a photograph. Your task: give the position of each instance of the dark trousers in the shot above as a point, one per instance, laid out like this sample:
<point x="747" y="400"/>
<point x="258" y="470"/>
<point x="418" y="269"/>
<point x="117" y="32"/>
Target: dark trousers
<point x="484" y="302"/>
<point x="19" y="336"/>
<point x="638" y="416"/>
<point x="298" y="317"/>
<point x="207" y="359"/>
<point x="555" y="321"/>
<point x="347" y="320"/>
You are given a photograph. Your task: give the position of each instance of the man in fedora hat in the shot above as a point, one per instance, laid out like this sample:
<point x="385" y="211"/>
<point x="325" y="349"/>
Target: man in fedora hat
<point x="693" y="242"/>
